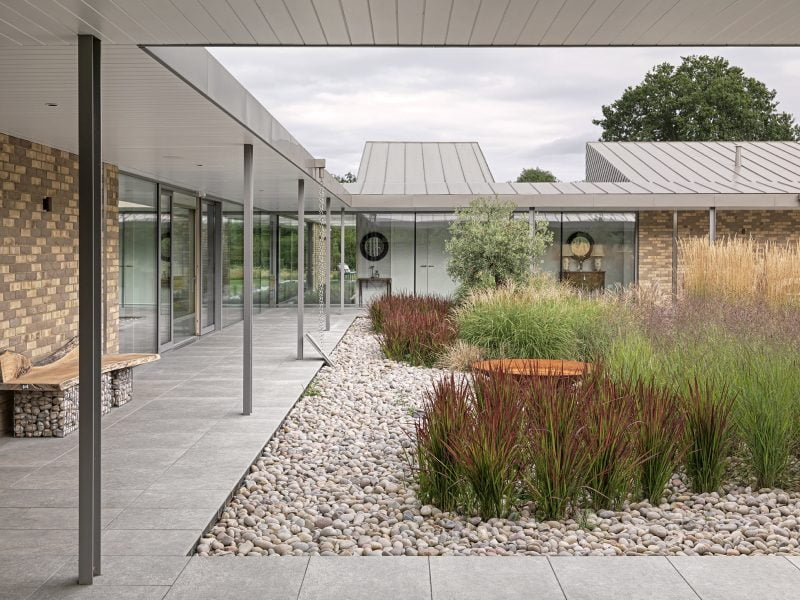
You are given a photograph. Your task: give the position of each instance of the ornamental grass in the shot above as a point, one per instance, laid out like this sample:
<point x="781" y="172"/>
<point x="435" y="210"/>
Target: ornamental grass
<point x="741" y="269"/>
<point x="414" y="329"/>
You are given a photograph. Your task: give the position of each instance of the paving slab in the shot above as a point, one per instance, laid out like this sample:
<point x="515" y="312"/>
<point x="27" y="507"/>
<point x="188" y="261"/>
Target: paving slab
<point x="215" y="578"/>
<point x="496" y="577"/>
<point x="619" y="578"/>
<point x="366" y="578"/>
<point x="740" y="577"/>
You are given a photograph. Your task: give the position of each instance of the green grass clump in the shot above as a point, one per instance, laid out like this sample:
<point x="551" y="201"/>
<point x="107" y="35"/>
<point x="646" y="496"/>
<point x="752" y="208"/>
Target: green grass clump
<point x="535" y="326"/>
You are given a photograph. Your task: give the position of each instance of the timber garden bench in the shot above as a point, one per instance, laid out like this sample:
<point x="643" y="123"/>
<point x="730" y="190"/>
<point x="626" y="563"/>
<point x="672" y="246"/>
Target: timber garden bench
<point x="46" y="393"/>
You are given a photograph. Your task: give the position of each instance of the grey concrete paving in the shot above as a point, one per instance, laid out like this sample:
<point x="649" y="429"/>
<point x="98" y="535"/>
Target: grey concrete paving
<point x="172" y="457"/>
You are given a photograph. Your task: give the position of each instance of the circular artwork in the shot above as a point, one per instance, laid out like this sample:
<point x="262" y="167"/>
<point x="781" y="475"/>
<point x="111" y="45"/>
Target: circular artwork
<point x="374" y="246"/>
<point x="581" y="244"/>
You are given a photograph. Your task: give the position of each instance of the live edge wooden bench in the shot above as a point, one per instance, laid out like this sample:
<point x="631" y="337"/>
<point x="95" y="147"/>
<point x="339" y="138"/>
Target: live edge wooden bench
<point x="46" y="394"/>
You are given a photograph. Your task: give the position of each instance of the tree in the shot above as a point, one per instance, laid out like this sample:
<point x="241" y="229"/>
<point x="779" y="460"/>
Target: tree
<point x="703" y="99"/>
<point x="346" y="178"/>
<point x="489" y="247"/>
<point x="534" y="175"/>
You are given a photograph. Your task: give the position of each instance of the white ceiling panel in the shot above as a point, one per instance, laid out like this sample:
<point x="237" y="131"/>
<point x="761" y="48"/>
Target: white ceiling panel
<point x="462" y="22"/>
<point x="409" y="22"/>
<point x="332" y="19"/>
<point x="156" y="125"/>
<point x="404" y="22"/>
<point x="383" y="15"/>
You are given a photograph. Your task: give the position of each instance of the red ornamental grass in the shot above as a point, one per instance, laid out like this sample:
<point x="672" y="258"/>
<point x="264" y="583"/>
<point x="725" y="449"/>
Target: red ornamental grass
<point x="709" y="426"/>
<point x="416" y="336"/>
<point x="444" y="409"/>
<point x="659" y="436"/>
<point x="556" y="445"/>
<point x="489" y="445"/>
<point x="608" y="434"/>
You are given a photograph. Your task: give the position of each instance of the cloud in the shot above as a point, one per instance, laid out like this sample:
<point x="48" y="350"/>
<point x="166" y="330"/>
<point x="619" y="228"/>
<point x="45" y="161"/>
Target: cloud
<point x="525" y="106"/>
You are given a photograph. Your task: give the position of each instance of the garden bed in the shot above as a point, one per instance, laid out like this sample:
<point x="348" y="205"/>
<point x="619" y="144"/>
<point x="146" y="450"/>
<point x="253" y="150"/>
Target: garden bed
<point x="337" y="478"/>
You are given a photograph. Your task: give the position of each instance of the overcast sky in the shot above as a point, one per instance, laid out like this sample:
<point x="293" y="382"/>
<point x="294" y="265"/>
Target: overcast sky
<point x="525" y="106"/>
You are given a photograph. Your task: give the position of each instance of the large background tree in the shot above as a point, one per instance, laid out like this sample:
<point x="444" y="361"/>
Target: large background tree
<point x="534" y="175"/>
<point x="703" y="99"/>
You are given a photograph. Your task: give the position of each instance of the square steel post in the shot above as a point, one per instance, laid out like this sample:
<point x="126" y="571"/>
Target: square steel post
<point x="90" y="266"/>
<point x="341" y="260"/>
<point x="712" y="225"/>
<point x="247" y="350"/>
<point x="674" y="254"/>
<point x="327" y="264"/>
<point x="301" y="263"/>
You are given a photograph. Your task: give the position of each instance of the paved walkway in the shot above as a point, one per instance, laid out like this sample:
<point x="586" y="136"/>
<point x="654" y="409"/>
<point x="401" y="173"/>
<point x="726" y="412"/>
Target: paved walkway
<point x="172" y="457"/>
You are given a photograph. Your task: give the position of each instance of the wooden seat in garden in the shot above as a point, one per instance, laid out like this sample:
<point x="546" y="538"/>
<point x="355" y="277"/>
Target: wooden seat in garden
<point x="46" y="393"/>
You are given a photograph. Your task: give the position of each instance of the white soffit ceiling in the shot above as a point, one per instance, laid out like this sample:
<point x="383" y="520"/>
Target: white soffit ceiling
<point x="404" y="22"/>
<point x="154" y="124"/>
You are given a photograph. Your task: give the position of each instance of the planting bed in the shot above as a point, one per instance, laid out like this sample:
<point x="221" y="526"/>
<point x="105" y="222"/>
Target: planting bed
<point x="336" y="479"/>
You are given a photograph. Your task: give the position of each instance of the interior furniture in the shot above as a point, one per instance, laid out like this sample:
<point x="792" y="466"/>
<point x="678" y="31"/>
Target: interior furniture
<point x="385" y="281"/>
<point x="587" y="281"/>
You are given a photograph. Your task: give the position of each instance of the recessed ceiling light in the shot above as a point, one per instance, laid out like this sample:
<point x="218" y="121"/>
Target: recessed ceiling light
<point x="199" y="165"/>
<point x="51" y="104"/>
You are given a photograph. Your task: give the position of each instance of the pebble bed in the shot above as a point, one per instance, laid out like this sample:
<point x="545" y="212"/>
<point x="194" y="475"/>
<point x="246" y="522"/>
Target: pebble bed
<point x="336" y="480"/>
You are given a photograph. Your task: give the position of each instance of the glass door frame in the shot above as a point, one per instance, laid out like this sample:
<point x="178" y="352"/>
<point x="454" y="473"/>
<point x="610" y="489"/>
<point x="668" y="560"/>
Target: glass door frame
<point x="215" y="207"/>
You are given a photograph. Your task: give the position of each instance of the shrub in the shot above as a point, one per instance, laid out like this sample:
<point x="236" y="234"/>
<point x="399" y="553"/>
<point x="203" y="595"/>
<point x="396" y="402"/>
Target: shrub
<point x="709" y="427"/>
<point x="557" y="457"/>
<point x="444" y="410"/>
<point x="488" y="445"/>
<point x="608" y="443"/>
<point x="489" y="247"/>
<point x="531" y="322"/>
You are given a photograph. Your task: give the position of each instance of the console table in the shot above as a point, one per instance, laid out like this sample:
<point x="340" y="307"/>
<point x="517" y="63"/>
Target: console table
<point x="587" y="281"/>
<point x="386" y="281"/>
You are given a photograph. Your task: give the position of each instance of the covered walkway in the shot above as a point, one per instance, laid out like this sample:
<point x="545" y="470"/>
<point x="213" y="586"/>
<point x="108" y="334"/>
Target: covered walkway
<point x="170" y="459"/>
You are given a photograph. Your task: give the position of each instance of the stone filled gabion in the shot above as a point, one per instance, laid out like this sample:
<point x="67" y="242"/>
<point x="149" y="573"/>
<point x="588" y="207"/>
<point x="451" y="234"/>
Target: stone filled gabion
<point x="337" y="479"/>
<point x="48" y="413"/>
<point x="121" y="386"/>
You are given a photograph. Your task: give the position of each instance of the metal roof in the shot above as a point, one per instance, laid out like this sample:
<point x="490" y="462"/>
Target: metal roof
<point x="422" y="168"/>
<point x="442" y="175"/>
<point x="765" y="167"/>
<point x="403" y="22"/>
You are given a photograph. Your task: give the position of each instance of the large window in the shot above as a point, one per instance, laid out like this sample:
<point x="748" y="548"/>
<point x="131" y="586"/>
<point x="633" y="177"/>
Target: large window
<point x="138" y="263"/>
<point x="609" y="239"/>
<point x="232" y="263"/>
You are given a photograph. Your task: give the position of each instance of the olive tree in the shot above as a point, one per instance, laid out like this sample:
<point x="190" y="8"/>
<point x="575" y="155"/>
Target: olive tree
<point x="489" y="247"/>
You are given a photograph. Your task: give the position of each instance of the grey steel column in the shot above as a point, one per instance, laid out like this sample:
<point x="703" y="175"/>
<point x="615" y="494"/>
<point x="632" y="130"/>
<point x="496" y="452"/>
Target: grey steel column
<point x="89" y="306"/>
<point x="712" y="225"/>
<point x="273" y="260"/>
<point x="301" y="263"/>
<point x="247" y="350"/>
<point x="532" y="227"/>
<point x="327" y="264"/>
<point x="674" y="254"/>
<point x="341" y="261"/>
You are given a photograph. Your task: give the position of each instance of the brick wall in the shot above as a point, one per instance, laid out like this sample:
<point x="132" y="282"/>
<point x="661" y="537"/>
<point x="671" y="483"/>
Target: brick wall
<point x="39" y="250"/>
<point x="655" y="234"/>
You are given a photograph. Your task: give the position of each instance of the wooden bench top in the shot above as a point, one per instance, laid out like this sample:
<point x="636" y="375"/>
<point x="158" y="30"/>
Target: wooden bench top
<point x="63" y="372"/>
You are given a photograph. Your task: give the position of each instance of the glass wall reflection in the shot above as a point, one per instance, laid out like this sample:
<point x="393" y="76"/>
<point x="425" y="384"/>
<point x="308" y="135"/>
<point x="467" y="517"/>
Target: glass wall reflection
<point x="598" y="249"/>
<point x="232" y="263"/>
<point x="138" y="264"/>
<point x="184" y="310"/>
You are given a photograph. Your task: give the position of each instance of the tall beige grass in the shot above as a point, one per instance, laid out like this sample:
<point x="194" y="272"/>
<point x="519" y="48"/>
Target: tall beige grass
<point x="741" y="269"/>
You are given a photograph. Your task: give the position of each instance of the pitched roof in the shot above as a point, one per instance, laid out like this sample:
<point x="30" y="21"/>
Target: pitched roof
<point x="766" y="167"/>
<point x="422" y="168"/>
